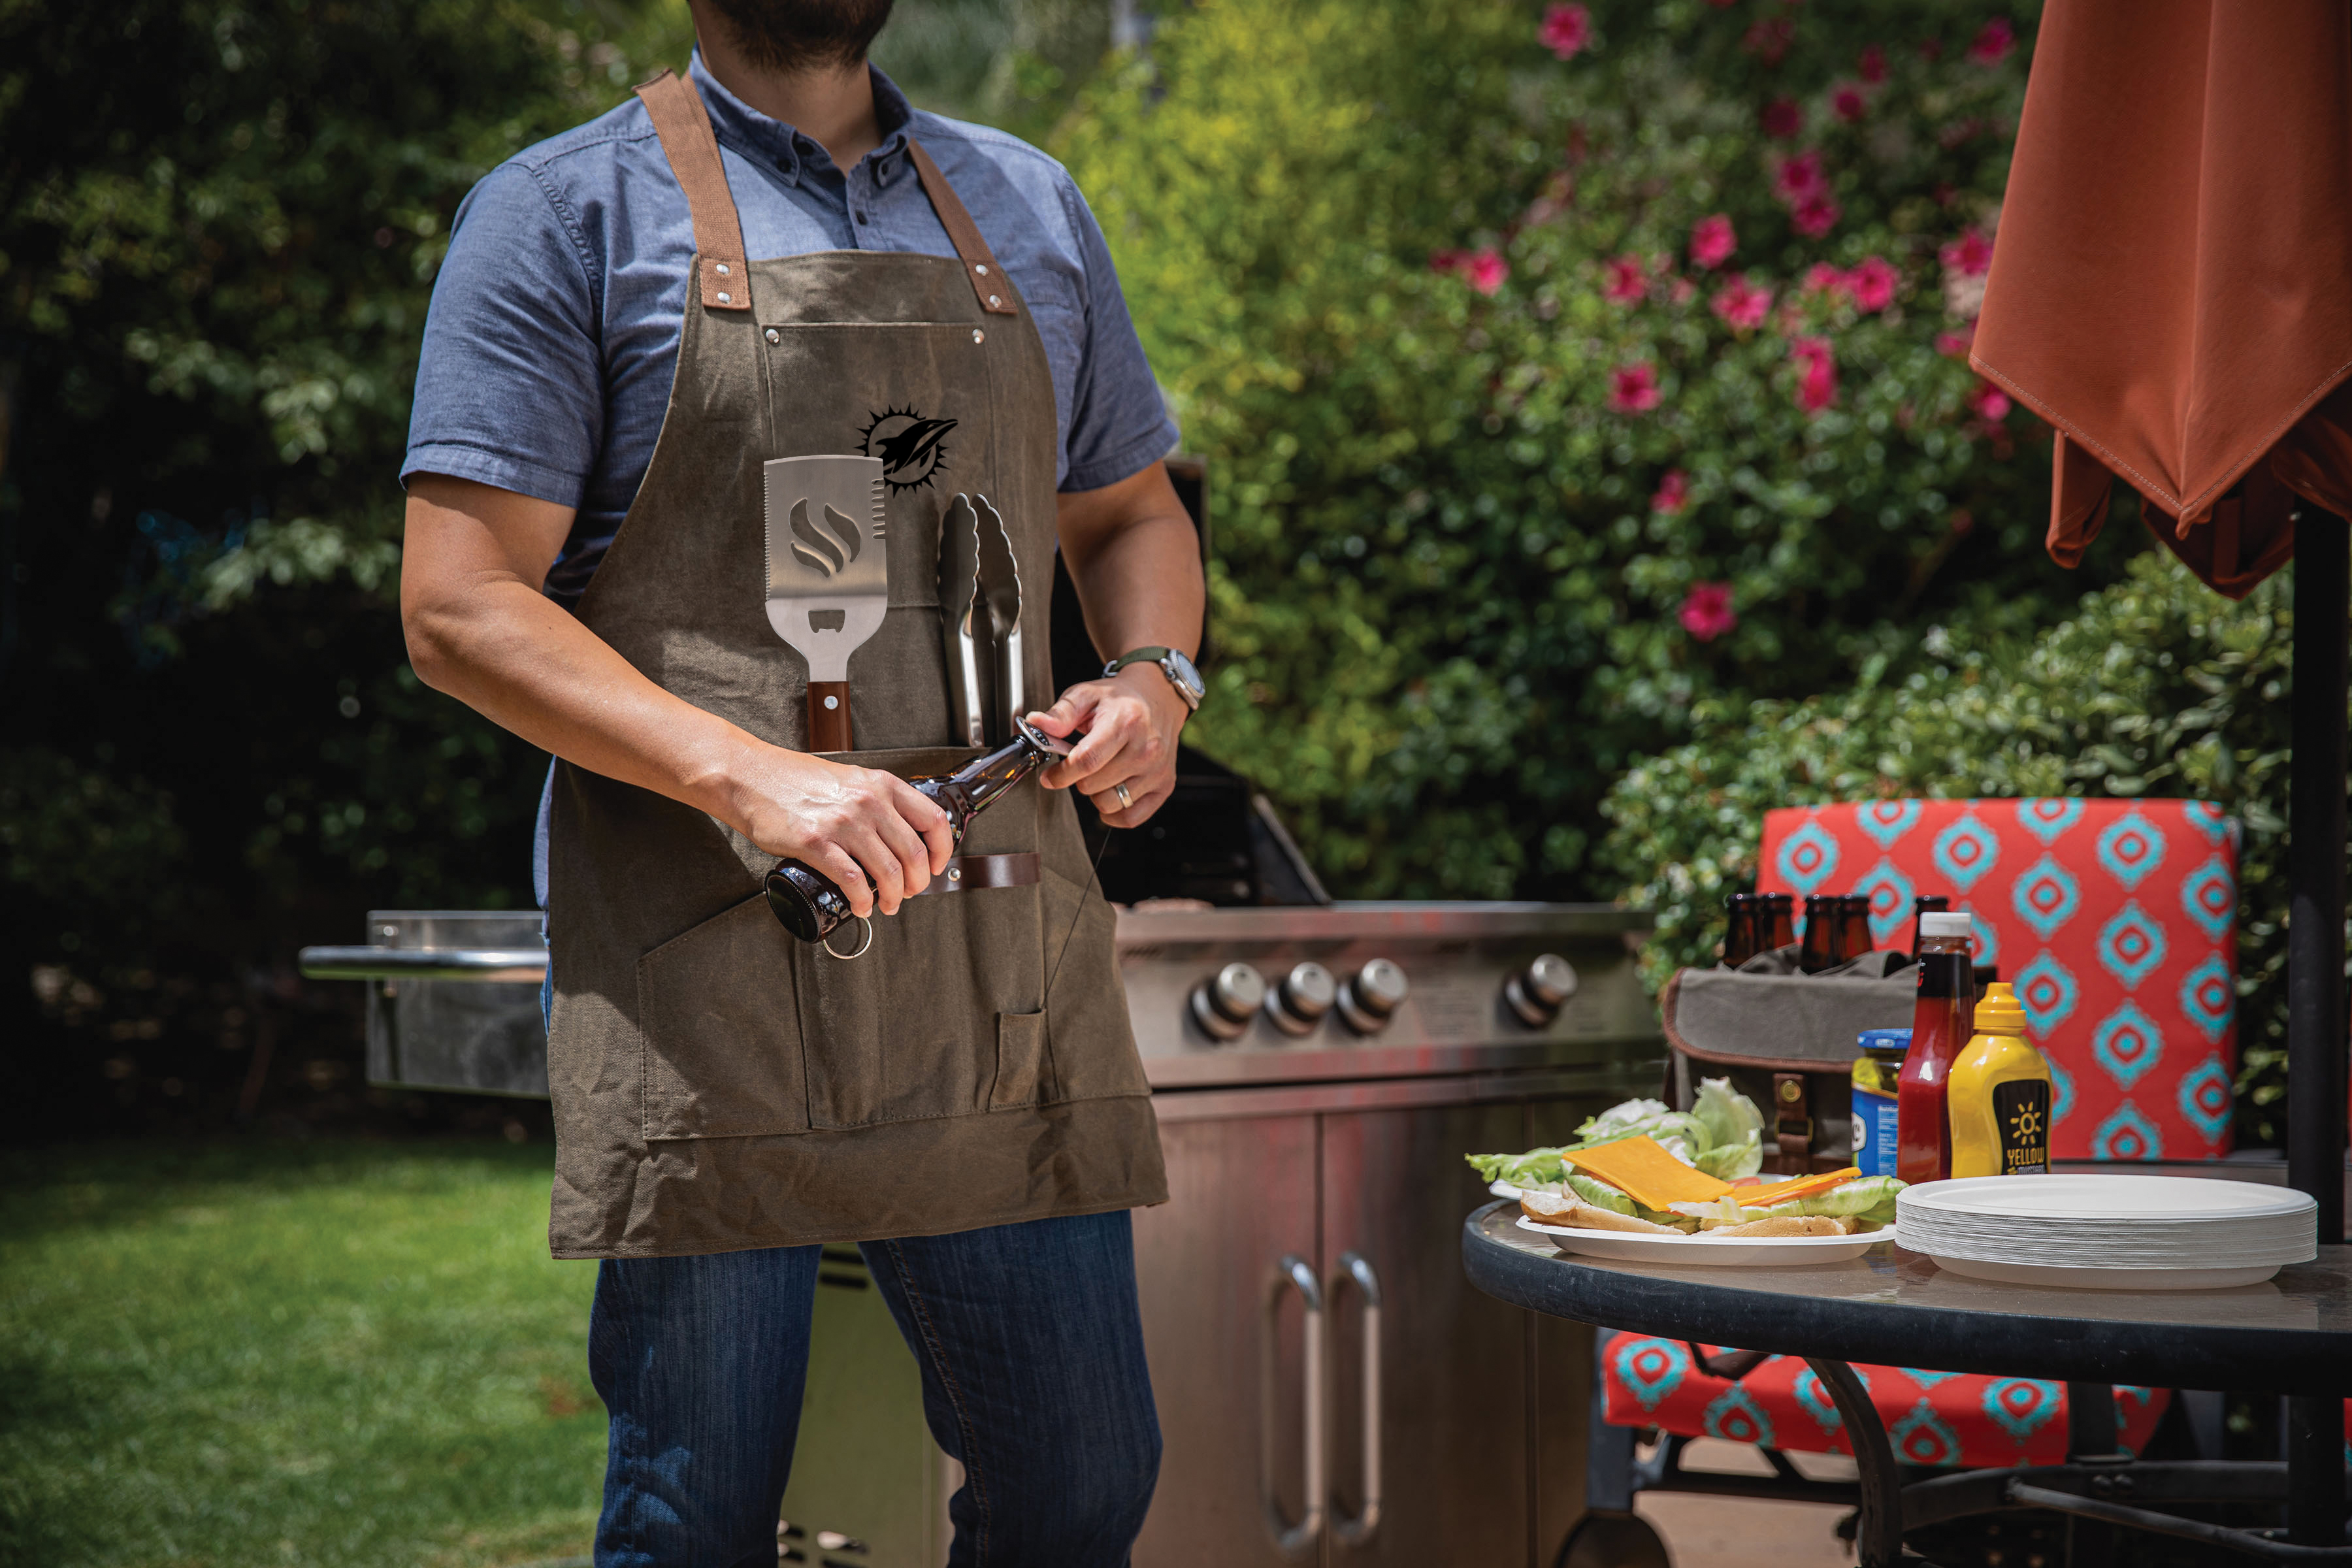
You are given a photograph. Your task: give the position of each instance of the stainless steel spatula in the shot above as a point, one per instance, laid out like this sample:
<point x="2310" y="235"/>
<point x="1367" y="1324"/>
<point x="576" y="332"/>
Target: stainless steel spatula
<point x="828" y="574"/>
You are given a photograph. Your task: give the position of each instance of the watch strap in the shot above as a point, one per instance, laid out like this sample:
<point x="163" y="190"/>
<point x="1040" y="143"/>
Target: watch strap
<point x="1134" y="655"/>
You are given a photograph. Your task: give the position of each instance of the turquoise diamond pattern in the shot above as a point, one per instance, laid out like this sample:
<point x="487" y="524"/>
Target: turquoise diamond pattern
<point x="2131" y="945"/>
<point x="2048" y="817"/>
<point x="2204" y="1098"/>
<point x="1887" y="820"/>
<point x="2046" y="896"/>
<point x="1966" y="851"/>
<point x="2022" y="1405"/>
<point x="2210" y="897"/>
<point x="1889" y="892"/>
<point x="2209" y="997"/>
<point x="2206" y="819"/>
<point x="2130" y="848"/>
<point x="2047" y="991"/>
<point x="2062" y="1092"/>
<point x="1735" y="1417"/>
<point x="1809" y="858"/>
<point x="1921" y="1440"/>
<point x="1818" y="1403"/>
<point x="2127" y="1134"/>
<point x="2126" y="1044"/>
<point x="1650" y="1369"/>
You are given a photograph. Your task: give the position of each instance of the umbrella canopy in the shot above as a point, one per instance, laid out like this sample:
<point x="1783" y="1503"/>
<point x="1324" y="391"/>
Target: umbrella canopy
<point x="2171" y="283"/>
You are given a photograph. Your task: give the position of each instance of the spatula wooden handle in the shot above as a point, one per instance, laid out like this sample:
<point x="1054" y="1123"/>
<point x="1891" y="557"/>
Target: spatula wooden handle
<point x="828" y="716"/>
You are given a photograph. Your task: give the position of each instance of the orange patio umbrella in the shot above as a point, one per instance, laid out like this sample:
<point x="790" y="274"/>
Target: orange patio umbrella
<point x="2171" y="288"/>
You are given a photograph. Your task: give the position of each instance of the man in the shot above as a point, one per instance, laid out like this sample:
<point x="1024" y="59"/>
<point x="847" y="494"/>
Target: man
<point x="776" y="258"/>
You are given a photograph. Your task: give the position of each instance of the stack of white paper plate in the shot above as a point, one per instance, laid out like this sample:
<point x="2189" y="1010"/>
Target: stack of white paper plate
<point x="2110" y="1232"/>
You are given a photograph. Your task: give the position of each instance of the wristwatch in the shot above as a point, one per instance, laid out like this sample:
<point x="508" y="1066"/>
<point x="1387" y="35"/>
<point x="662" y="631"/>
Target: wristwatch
<point x="1172" y="664"/>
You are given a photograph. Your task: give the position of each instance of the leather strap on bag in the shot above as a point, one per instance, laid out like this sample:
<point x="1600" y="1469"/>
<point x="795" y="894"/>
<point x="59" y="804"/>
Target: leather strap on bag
<point x="684" y="126"/>
<point x="970" y="873"/>
<point x="979" y="261"/>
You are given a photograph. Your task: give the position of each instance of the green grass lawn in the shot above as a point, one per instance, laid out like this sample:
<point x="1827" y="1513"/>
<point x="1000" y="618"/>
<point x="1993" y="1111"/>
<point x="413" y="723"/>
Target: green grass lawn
<point x="318" y="1354"/>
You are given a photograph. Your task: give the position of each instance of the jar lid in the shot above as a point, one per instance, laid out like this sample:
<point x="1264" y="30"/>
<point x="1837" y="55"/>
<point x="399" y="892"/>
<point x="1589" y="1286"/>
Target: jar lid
<point x="1937" y="922"/>
<point x="1885" y="1040"/>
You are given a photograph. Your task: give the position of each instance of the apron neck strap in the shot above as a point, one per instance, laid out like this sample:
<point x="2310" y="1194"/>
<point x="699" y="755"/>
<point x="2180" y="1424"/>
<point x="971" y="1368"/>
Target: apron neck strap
<point x="979" y="261"/>
<point x="684" y="126"/>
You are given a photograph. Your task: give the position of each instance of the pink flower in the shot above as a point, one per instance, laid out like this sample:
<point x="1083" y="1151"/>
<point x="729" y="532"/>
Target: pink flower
<point x="1798" y="177"/>
<point x="1821" y="278"/>
<point x="1780" y="119"/>
<point x="1634" y="389"/>
<point x="1989" y="402"/>
<point x="1566" y="30"/>
<point x="1486" y="270"/>
<point x="1741" y="304"/>
<point x="1681" y="290"/>
<point x="1624" y="281"/>
<point x="1712" y="241"/>
<point x="1873" y="284"/>
<point x="1768" y="38"/>
<point x="1817" y="384"/>
<point x="1873" y="63"/>
<point x="1674" y="493"/>
<point x="1847" y="103"/>
<point x="1955" y="344"/>
<point x="1993" y="44"/>
<point x="1815" y="216"/>
<point x="1706" y="612"/>
<point x="1970" y="255"/>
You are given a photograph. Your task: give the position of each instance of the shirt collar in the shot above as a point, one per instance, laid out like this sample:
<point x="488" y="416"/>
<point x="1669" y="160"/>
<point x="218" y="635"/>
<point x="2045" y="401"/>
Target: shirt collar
<point x="751" y="132"/>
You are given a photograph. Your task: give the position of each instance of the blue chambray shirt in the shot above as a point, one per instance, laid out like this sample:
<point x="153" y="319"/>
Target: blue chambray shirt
<point x="552" y="336"/>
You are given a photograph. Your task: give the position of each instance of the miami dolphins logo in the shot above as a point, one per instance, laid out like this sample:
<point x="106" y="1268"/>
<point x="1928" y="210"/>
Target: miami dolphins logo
<point x="912" y="448"/>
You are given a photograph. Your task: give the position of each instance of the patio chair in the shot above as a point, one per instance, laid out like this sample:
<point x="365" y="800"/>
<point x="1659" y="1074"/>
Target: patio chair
<point x="2117" y="921"/>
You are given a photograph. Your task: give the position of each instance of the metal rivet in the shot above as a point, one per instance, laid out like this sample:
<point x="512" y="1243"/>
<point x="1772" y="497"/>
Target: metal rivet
<point x="726" y="299"/>
<point x="774" y="336"/>
<point x="993" y="301"/>
<point x="955" y="873"/>
<point x="978" y="336"/>
<point x="722" y="269"/>
<point x="830" y="703"/>
<point x="980" y="267"/>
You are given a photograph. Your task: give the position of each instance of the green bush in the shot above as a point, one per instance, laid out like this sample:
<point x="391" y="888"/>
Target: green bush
<point x="1391" y="260"/>
<point x="2156" y="686"/>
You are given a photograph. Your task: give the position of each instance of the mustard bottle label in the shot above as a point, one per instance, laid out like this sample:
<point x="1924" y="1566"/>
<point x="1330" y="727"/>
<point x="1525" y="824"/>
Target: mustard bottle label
<point x="2021" y="1114"/>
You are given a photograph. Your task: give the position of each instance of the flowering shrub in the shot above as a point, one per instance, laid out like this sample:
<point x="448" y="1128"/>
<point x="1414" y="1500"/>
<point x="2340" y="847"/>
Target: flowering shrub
<point x="1561" y="367"/>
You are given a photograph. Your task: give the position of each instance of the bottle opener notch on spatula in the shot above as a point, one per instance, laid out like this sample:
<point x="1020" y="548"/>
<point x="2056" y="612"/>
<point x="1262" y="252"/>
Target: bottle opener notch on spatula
<point x="828" y="574"/>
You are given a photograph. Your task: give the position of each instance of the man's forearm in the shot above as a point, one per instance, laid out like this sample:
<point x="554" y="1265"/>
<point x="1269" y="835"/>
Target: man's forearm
<point x="1135" y="561"/>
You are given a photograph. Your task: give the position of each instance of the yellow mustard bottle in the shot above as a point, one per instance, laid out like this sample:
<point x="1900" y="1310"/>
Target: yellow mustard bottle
<point x="1999" y="1100"/>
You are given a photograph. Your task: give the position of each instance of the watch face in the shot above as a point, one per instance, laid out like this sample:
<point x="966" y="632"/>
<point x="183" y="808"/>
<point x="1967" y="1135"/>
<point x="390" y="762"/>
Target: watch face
<point x="1180" y="670"/>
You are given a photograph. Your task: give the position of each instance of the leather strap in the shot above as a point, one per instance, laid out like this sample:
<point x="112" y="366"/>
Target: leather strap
<point x="684" y="126"/>
<point x="979" y="261"/>
<point x="967" y="873"/>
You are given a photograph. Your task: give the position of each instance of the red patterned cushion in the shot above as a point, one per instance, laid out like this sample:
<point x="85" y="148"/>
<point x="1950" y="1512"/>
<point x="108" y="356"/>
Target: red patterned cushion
<point x="2117" y="921"/>
<point x="1933" y="1417"/>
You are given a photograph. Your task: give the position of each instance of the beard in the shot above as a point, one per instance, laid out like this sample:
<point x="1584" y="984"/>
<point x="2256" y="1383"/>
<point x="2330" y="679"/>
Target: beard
<point x="792" y="35"/>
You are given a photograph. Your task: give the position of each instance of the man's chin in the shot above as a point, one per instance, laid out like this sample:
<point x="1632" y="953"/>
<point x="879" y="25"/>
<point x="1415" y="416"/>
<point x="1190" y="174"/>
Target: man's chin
<point x="803" y="35"/>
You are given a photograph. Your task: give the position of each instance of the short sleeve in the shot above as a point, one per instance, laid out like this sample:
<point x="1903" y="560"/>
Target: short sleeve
<point x="1118" y="421"/>
<point x="509" y="385"/>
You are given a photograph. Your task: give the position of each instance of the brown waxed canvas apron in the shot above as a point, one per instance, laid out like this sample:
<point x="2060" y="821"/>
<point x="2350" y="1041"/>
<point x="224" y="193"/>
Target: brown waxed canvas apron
<point x="716" y="1084"/>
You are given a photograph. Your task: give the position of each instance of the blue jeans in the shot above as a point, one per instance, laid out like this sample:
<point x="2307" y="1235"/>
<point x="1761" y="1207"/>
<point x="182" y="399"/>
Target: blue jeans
<point x="1031" y="1358"/>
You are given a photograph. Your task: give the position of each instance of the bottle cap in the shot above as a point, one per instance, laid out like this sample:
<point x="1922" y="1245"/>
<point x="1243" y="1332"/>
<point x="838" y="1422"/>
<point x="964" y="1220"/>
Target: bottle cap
<point x="1885" y="1039"/>
<point x="1999" y="1012"/>
<point x="1935" y="922"/>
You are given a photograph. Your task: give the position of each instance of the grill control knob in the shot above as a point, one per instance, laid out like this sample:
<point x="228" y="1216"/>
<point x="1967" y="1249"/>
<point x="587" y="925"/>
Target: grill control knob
<point x="1221" y="1005"/>
<point x="1304" y="995"/>
<point x="1371" y="996"/>
<point x="1535" y="992"/>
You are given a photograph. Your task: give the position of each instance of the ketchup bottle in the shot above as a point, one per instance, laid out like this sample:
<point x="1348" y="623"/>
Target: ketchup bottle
<point x="1941" y="1022"/>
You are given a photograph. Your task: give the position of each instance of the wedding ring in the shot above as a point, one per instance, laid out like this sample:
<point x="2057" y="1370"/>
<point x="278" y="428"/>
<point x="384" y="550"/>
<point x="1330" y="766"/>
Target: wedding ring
<point x="1120" y="790"/>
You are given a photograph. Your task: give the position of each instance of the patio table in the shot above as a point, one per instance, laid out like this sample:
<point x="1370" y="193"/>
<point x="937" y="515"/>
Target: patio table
<point x="2290" y="1336"/>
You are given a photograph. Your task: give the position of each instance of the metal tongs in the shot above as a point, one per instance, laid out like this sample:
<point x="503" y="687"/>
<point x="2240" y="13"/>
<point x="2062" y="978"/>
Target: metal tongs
<point x="980" y="622"/>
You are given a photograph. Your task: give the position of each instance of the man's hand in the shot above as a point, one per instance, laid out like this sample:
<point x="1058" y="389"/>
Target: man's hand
<point x="851" y="823"/>
<point x="1130" y="722"/>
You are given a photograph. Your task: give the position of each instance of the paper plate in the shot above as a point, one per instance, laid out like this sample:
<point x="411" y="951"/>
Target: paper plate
<point x="1706" y="1251"/>
<point x="2077" y="1279"/>
<point x="2153" y="1233"/>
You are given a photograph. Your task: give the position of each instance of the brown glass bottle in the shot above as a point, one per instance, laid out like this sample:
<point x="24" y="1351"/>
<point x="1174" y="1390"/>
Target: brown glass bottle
<point x="1776" y="923"/>
<point x="1820" y="948"/>
<point x="1854" y="926"/>
<point x="1739" y="933"/>
<point x="1925" y="904"/>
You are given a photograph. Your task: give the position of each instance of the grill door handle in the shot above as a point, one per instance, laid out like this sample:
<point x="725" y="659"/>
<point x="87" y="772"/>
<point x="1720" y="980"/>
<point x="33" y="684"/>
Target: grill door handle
<point x="1295" y="1539"/>
<point x="1356" y="1267"/>
<point x="498" y="965"/>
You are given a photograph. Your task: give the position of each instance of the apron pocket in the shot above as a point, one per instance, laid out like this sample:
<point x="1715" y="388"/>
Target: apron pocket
<point x="1089" y="1037"/>
<point x="719" y="1023"/>
<point x="1019" y="1053"/>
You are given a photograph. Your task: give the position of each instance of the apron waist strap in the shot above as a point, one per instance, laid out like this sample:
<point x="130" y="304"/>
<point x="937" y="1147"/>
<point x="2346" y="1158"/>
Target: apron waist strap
<point x="966" y="872"/>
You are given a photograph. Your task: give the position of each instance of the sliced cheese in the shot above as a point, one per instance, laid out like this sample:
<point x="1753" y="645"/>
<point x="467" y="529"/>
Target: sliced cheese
<point x="1644" y="1171"/>
<point x="1797" y="1187"/>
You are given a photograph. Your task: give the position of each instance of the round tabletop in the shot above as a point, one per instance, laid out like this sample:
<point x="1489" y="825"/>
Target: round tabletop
<point x="2290" y="1335"/>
